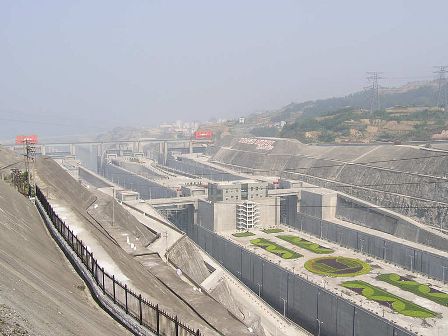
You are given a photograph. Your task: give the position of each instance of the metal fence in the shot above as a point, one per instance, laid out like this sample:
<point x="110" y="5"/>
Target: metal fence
<point x="311" y="306"/>
<point x="143" y="311"/>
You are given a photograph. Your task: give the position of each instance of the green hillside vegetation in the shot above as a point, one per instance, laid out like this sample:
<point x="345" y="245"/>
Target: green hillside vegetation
<point x="350" y="124"/>
<point x="413" y="94"/>
<point x="407" y="113"/>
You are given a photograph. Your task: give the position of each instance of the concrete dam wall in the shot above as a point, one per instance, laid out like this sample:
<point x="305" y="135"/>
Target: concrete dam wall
<point x="410" y="180"/>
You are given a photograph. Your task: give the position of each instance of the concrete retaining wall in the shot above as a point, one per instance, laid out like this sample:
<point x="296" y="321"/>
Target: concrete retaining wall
<point x="303" y="302"/>
<point x="405" y="256"/>
<point x="198" y="169"/>
<point x="146" y="188"/>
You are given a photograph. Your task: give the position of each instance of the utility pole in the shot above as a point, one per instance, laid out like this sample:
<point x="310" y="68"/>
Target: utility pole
<point x="29" y="160"/>
<point x="442" y="99"/>
<point x="374" y="88"/>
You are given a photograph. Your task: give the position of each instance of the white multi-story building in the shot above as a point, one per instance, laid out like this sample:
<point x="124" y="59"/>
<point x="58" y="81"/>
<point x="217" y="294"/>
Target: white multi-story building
<point x="247" y="215"/>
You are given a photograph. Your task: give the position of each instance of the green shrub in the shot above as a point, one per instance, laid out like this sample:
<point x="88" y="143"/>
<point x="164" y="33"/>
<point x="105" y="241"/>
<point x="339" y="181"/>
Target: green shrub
<point x="305" y="244"/>
<point x="274" y="230"/>
<point x="243" y="234"/>
<point x="275" y="248"/>
<point x="381" y="296"/>
<point x="415" y="287"/>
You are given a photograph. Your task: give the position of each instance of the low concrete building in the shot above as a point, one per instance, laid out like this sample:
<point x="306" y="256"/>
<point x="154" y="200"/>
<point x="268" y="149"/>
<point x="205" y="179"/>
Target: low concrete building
<point x="238" y="205"/>
<point x="318" y="202"/>
<point x="126" y="195"/>
<point x="193" y="190"/>
<point x="232" y="191"/>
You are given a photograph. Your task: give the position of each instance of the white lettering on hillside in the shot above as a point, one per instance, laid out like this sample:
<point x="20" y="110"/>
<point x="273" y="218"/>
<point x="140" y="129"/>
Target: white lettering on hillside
<point x="262" y="144"/>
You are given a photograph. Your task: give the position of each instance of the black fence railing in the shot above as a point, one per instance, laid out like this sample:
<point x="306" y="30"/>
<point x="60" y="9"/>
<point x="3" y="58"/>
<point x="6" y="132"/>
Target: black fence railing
<point x="143" y="311"/>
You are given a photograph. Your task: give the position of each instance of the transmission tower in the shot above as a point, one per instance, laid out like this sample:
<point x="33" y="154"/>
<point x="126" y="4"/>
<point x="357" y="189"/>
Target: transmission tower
<point x="374" y="88"/>
<point x="29" y="155"/>
<point x="442" y="98"/>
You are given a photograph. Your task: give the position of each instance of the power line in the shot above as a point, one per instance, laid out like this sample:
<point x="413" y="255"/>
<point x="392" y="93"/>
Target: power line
<point x="442" y="97"/>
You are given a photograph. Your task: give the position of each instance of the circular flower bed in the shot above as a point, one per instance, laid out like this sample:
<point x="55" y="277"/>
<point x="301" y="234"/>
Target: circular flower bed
<point x="337" y="266"/>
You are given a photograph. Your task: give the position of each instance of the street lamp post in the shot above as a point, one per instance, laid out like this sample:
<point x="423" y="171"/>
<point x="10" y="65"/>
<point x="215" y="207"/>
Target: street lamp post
<point x="284" y="306"/>
<point x="443" y="273"/>
<point x="319" y="323"/>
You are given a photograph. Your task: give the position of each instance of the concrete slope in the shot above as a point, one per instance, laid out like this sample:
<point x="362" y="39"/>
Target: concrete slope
<point x="185" y="255"/>
<point x="406" y="178"/>
<point x="40" y="293"/>
<point x="89" y="214"/>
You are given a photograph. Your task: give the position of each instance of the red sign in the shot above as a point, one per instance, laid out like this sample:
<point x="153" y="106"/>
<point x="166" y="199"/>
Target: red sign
<point x="203" y="135"/>
<point x="29" y="139"/>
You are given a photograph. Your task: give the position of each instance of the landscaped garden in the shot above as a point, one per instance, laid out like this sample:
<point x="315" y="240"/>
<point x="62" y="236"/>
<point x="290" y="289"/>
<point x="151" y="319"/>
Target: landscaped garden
<point x="337" y="266"/>
<point x="243" y="234"/>
<point x="275" y="248"/>
<point x="272" y="230"/>
<point x="306" y="244"/>
<point x="387" y="299"/>
<point x="415" y="287"/>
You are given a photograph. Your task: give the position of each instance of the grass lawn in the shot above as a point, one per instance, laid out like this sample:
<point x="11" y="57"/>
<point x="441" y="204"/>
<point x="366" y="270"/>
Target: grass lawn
<point x="273" y="230"/>
<point x="387" y="299"/>
<point x="337" y="266"/>
<point x="415" y="287"/>
<point x="275" y="248"/>
<point x="243" y="234"/>
<point x="306" y="244"/>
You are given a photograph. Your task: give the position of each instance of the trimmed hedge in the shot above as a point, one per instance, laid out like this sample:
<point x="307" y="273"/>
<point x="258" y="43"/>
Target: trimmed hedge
<point x="385" y="298"/>
<point x="275" y="248"/>
<point x="415" y="287"/>
<point x="274" y="230"/>
<point x="306" y="244"/>
<point x="243" y="234"/>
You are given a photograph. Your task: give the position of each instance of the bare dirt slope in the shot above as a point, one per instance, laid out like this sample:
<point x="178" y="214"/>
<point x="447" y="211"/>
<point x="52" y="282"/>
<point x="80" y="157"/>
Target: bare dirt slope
<point x="40" y="293"/>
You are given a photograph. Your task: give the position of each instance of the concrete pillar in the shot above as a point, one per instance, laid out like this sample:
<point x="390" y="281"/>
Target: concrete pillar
<point x="72" y="149"/>
<point x="99" y="149"/>
<point x="165" y="152"/>
<point x="135" y="147"/>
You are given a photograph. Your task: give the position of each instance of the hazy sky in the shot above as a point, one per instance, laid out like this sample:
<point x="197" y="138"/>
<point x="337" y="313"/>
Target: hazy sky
<point x="78" y="66"/>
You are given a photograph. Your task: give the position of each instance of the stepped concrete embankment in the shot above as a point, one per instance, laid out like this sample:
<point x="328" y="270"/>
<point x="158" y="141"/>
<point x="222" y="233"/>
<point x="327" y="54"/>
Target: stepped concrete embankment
<point x="409" y="179"/>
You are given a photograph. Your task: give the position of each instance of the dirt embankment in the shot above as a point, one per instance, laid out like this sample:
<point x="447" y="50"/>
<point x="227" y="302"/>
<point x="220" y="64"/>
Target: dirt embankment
<point x="40" y="293"/>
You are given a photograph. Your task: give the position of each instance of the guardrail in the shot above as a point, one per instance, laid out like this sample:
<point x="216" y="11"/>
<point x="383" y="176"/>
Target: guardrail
<point x="144" y="312"/>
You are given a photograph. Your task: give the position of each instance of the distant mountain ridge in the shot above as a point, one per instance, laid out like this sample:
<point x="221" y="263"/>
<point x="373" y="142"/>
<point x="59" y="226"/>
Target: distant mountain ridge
<point x="411" y="94"/>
